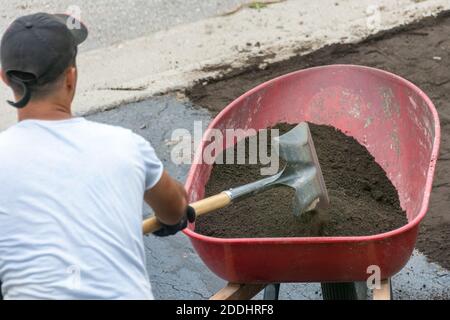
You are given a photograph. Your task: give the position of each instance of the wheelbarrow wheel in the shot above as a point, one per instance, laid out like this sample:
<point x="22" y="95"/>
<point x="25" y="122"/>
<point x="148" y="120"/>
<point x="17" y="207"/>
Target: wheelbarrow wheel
<point x="344" y="291"/>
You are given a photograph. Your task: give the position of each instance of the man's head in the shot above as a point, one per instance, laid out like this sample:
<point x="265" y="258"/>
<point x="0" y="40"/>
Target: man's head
<point x="38" y="54"/>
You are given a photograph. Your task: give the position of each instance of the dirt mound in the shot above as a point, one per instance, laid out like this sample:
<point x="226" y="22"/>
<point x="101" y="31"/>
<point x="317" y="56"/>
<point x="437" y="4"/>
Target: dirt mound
<point x="363" y="200"/>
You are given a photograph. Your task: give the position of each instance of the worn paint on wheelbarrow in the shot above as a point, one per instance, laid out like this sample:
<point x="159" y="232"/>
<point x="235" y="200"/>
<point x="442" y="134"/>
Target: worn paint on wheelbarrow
<point x="392" y="117"/>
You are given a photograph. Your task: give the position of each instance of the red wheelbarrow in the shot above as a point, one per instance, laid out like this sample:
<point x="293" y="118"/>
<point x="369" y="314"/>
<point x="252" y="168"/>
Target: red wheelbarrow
<point x="390" y="116"/>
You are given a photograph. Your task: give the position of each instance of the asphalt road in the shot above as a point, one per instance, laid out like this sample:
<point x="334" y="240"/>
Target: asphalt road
<point x="112" y="21"/>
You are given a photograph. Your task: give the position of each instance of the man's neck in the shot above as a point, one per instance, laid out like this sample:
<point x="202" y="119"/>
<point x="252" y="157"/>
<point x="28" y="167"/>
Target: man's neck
<point x="44" y="111"/>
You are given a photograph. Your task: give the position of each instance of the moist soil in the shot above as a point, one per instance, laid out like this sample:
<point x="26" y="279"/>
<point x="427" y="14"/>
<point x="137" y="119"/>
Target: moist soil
<point x="420" y="53"/>
<point x="363" y="200"/>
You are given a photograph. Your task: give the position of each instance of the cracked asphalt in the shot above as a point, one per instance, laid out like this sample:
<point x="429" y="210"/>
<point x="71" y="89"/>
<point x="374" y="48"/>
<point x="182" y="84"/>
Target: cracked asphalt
<point x="175" y="270"/>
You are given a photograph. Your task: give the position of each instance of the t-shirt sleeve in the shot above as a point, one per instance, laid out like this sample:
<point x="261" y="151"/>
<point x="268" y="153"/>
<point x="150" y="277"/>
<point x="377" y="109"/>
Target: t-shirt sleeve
<point x="153" y="166"/>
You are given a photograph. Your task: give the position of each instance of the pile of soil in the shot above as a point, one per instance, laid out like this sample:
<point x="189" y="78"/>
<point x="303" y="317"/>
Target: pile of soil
<point x="420" y="53"/>
<point x="362" y="199"/>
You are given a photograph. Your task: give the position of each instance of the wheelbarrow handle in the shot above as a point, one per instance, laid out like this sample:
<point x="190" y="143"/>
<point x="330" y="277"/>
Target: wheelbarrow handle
<point x="201" y="207"/>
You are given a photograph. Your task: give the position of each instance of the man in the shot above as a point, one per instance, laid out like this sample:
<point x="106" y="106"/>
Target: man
<point x="71" y="190"/>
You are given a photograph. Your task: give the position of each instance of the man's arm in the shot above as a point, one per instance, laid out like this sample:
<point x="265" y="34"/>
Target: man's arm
<point x="168" y="199"/>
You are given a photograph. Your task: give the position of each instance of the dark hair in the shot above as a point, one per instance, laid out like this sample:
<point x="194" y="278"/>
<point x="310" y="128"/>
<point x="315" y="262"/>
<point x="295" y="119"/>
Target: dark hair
<point x="38" y="90"/>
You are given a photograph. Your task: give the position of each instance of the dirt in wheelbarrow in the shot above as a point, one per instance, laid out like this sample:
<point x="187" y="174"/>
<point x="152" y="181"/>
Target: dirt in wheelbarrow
<point x="419" y="52"/>
<point x="363" y="200"/>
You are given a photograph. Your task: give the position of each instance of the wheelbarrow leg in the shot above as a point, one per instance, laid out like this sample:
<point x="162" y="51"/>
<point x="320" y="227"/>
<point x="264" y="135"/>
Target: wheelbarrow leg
<point x="384" y="292"/>
<point x="237" y="291"/>
<point x="344" y="291"/>
<point x="272" y="291"/>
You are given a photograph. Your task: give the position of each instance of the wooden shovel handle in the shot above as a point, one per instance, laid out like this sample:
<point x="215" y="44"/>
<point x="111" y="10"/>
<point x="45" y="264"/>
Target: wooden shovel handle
<point x="203" y="206"/>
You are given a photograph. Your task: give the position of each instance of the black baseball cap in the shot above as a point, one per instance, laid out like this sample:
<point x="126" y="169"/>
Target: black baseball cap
<point x="37" y="48"/>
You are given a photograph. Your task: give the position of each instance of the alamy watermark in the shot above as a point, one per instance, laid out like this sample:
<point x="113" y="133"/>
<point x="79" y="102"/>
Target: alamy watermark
<point x="374" y="280"/>
<point x="74" y="12"/>
<point x="373" y="17"/>
<point x="73" y="280"/>
<point x="185" y="147"/>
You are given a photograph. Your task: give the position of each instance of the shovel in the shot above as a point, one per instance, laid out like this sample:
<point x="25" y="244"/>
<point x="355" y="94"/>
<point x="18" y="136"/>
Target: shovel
<point x="302" y="173"/>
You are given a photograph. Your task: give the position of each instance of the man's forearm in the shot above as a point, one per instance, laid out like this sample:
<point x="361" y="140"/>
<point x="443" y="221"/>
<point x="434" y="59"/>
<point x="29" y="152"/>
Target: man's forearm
<point x="168" y="199"/>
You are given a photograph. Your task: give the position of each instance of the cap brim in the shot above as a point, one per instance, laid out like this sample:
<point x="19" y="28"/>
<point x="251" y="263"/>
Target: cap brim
<point x="75" y="26"/>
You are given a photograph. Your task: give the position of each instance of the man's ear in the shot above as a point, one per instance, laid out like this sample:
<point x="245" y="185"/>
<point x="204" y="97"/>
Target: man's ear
<point x="71" y="78"/>
<point x="4" y="78"/>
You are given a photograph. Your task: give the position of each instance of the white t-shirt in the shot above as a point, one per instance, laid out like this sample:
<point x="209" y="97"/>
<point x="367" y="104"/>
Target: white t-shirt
<point x="71" y="200"/>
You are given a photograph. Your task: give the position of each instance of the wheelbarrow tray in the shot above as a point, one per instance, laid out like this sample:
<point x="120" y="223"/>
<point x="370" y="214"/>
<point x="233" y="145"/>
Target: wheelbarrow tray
<point x="389" y="115"/>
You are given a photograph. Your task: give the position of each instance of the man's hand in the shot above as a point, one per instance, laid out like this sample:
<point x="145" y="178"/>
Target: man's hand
<point x="168" y="230"/>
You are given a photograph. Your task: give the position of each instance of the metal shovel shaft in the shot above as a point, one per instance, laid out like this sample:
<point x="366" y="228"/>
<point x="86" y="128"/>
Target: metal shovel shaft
<point x="254" y="187"/>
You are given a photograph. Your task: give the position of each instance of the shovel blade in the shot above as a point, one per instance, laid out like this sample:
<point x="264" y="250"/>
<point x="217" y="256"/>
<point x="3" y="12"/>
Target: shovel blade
<point x="302" y="172"/>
